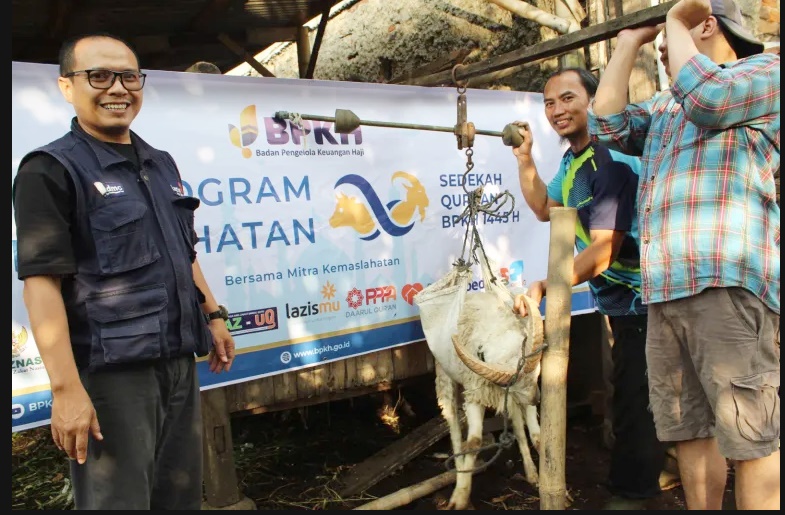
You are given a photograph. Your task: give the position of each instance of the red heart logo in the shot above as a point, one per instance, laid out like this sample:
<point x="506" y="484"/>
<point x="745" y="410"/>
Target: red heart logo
<point x="409" y="291"/>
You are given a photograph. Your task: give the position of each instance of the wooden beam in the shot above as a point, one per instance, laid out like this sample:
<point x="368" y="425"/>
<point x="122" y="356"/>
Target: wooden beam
<point x="435" y="66"/>
<point x="39" y="49"/>
<point x="211" y="10"/>
<point x="501" y="74"/>
<point x="264" y="36"/>
<point x="369" y="472"/>
<point x="248" y="58"/>
<point x="553" y="47"/>
<point x="288" y="399"/>
<point x="54" y="31"/>
<point x="317" y="43"/>
<point x="152" y="44"/>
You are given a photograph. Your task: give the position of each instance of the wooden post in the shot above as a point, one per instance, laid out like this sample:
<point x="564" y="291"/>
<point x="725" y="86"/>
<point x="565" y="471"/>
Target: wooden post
<point x="220" y="477"/>
<point x="303" y="50"/>
<point x="317" y="42"/>
<point x="576" y="58"/>
<point x="553" y="407"/>
<point x="607" y="374"/>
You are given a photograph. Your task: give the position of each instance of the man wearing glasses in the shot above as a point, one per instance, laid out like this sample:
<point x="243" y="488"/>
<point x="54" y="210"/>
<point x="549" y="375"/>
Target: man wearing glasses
<point x="116" y="299"/>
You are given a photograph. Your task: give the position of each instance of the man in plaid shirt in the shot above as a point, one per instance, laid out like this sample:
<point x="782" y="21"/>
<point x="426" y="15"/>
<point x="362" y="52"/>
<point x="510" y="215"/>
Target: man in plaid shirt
<point x="710" y="243"/>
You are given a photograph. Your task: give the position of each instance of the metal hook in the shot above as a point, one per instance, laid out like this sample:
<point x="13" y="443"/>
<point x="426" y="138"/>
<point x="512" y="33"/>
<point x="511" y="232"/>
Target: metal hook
<point x="461" y="85"/>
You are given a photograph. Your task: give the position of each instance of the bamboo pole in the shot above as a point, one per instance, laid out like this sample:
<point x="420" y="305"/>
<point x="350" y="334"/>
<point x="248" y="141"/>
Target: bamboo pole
<point x="553" y="407"/>
<point x="409" y="494"/>
<point x="535" y="14"/>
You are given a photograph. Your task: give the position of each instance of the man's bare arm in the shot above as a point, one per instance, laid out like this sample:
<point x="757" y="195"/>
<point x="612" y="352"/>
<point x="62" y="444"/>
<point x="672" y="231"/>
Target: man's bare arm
<point x="613" y="90"/>
<point x="534" y="190"/>
<point x="681" y="18"/>
<point x="598" y="256"/>
<point x="73" y="415"/>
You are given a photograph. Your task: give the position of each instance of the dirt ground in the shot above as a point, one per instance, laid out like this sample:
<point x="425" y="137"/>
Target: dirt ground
<point x="294" y="460"/>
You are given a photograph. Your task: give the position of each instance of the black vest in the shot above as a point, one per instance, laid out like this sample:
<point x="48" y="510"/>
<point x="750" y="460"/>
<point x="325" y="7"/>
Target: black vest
<point x="133" y="297"/>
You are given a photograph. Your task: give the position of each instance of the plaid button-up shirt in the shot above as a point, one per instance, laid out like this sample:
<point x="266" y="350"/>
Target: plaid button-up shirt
<point x="707" y="208"/>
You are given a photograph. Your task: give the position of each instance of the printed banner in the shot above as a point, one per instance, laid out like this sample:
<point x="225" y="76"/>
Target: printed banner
<point x="315" y="241"/>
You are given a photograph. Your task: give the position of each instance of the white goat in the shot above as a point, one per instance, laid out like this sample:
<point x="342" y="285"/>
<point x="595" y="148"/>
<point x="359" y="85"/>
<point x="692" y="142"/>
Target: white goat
<point x="489" y="346"/>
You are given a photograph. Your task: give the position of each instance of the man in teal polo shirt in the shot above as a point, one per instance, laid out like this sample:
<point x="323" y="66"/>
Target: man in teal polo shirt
<point x="601" y="184"/>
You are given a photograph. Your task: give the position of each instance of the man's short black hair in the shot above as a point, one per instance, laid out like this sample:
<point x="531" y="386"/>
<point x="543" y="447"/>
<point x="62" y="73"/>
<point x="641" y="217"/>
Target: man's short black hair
<point x="740" y="47"/>
<point x="588" y="80"/>
<point x="66" y="57"/>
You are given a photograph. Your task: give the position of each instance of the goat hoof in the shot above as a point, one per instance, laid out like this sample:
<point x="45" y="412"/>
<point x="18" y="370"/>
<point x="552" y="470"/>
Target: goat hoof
<point x="458" y="503"/>
<point x="535" y="442"/>
<point x="455" y="506"/>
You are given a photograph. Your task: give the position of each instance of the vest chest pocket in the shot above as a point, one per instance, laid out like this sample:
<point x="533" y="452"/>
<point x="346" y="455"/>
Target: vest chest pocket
<point x="121" y="241"/>
<point x="128" y="325"/>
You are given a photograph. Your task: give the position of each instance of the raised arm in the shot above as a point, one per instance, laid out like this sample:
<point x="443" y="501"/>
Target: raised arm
<point x="612" y="92"/>
<point x="611" y="121"/>
<point x="534" y="190"/>
<point x="714" y="96"/>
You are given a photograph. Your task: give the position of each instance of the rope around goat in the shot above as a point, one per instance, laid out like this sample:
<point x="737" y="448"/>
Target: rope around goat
<point x="472" y="243"/>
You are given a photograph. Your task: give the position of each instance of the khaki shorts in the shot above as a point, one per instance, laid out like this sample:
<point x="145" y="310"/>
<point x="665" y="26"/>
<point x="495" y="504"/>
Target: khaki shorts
<point x="714" y="371"/>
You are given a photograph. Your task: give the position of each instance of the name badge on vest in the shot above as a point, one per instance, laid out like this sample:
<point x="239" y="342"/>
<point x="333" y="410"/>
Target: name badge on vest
<point x="109" y="189"/>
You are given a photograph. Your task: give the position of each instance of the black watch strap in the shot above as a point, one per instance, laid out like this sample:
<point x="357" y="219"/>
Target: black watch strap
<point x="221" y="313"/>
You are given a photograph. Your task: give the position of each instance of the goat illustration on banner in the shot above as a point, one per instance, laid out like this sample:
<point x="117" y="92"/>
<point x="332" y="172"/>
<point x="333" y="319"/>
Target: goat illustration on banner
<point x="395" y="218"/>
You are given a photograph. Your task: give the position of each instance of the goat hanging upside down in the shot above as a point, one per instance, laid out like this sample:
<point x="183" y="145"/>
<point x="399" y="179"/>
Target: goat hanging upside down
<point x="489" y="346"/>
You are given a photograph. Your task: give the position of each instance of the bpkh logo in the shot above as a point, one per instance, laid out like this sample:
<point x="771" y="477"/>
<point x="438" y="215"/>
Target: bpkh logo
<point x="279" y="132"/>
<point x="248" y="131"/>
<point x="395" y="218"/>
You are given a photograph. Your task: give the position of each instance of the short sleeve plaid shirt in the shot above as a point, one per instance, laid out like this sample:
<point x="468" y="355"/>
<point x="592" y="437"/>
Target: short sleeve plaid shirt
<point x="707" y="207"/>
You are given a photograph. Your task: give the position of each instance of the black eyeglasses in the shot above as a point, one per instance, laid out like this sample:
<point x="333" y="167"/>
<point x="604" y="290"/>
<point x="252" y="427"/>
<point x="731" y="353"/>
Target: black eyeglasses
<point x="104" y="79"/>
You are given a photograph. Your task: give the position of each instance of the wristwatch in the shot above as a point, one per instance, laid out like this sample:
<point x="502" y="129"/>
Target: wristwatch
<point x="222" y="312"/>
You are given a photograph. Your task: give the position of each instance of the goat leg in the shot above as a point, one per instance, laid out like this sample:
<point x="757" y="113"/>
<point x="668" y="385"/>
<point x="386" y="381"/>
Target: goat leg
<point x="529" y="468"/>
<point x="475" y="413"/>
<point x="447" y="397"/>
<point x="533" y="423"/>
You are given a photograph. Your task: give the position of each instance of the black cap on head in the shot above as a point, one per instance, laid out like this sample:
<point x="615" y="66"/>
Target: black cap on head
<point x="728" y="15"/>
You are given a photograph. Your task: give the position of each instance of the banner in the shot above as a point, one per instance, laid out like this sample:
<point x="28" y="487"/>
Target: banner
<point x="315" y="241"/>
